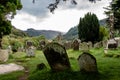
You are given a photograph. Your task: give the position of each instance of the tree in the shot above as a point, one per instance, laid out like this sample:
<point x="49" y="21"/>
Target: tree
<point x="113" y="11"/>
<point x="88" y="28"/>
<point x="7" y="9"/>
<point x="116" y="12"/>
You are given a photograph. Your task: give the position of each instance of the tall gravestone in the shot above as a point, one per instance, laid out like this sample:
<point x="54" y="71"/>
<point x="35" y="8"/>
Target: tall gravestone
<point x="30" y="49"/>
<point x="75" y="44"/>
<point x="56" y="56"/>
<point x="87" y="63"/>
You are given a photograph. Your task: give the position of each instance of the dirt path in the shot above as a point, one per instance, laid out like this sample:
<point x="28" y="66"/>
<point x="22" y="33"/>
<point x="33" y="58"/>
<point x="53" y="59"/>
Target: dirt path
<point x="25" y="75"/>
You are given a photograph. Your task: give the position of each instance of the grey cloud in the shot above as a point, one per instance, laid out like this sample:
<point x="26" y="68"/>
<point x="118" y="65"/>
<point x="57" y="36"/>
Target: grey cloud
<point x="39" y="8"/>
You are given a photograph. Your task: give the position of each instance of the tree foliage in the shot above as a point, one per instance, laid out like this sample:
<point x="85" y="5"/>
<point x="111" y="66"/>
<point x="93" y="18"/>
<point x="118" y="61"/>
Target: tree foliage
<point x="116" y="11"/>
<point x="7" y="11"/>
<point x="88" y="28"/>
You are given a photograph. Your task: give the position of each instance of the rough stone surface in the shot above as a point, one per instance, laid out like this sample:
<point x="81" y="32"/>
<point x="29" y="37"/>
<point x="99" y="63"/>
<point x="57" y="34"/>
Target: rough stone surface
<point x="67" y="44"/>
<point x="30" y="49"/>
<point x="42" y="44"/>
<point x="84" y="46"/>
<point x="4" y="55"/>
<point x="7" y="68"/>
<point x="111" y="44"/>
<point x="75" y="44"/>
<point x="98" y="45"/>
<point x="56" y="56"/>
<point x="87" y="63"/>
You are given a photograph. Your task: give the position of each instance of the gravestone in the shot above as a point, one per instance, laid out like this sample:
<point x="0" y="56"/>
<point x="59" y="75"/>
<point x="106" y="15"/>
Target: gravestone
<point x="75" y="44"/>
<point x="112" y="44"/>
<point x="104" y="43"/>
<point x="87" y="63"/>
<point x="4" y="55"/>
<point x="67" y="44"/>
<point x="98" y="45"/>
<point x="89" y="44"/>
<point x="56" y="56"/>
<point x="118" y="40"/>
<point x="42" y="44"/>
<point x="30" y="49"/>
<point x="84" y="46"/>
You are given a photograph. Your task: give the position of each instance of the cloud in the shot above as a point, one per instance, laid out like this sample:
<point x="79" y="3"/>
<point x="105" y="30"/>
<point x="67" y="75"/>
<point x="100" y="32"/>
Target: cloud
<point x="37" y="16"/>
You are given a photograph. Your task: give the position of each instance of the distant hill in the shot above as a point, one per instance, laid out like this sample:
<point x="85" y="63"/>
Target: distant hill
<point x="49" y="34"/>
<point x="73" y="32"/>
<point x="17" y="33"/>
<point x="103" y="22"/>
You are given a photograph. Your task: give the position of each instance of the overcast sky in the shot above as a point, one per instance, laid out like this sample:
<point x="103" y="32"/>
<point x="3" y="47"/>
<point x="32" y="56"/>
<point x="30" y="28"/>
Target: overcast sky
<point x="37" y="15"/>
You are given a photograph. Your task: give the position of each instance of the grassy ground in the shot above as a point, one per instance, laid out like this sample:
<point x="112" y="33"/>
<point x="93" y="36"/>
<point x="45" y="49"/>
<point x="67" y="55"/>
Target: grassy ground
<point x="108" y="66"/>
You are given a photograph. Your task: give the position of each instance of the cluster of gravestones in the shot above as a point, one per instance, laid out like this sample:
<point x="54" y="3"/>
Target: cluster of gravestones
<point x="58" y="60"/>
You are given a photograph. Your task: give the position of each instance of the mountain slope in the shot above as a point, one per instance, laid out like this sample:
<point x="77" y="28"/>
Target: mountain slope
<point x="73" y="32"/>
<point x="49" y="34"/>
<point x="18" y="33"/>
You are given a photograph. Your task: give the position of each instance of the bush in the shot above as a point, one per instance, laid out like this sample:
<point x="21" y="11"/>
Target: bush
<point x="103" y="33"/>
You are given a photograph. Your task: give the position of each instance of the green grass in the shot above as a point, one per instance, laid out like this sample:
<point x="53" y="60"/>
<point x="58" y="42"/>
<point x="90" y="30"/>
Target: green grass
<point x="108" y="67"/>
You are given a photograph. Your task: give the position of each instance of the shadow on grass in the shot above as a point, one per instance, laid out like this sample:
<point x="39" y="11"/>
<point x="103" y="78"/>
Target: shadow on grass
<point x="66" y="75"/>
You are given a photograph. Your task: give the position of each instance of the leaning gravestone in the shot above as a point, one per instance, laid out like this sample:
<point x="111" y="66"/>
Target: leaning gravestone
<point x="75" y="44"/>
<point x="56" y="56"/>
<point x="87" y="63"/>
<point x="30" y="49"/>
<point x="4" y="55"/>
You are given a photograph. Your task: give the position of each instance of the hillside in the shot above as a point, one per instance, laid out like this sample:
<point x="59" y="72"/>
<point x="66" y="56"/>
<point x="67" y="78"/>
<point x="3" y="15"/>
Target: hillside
<point x="71" y="34"/>
<point x="49" y="34"/>
<point x="17" y="32"/>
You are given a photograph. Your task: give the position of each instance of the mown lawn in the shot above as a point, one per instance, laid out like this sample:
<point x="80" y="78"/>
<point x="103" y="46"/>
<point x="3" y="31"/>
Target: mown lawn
<point x="109" y="67"/>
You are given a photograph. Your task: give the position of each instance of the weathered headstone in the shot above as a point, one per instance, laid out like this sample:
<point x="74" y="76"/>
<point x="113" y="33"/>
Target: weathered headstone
<point x="4" y="55"/>
<point x="84" y="46"/>
<point x="98" y="45"/>
<point x="111" y="44"/>
<point x="30" y="49"/>
<point x="87" y="63"/>
<point x="67" y="44"/>
<point x="42" y="44"/>
<point x="118" y="40"/>
<point x="9" y="49"/>
<point x="104" y="43"/>
<point x="89" y="45"/>
<point x="56" y="56"/>
<point x="75" y="44"/>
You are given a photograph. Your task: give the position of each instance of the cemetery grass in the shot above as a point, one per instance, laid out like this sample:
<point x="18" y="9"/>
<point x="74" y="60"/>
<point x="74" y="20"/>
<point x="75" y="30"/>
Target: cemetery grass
<point x="108" y="67"/>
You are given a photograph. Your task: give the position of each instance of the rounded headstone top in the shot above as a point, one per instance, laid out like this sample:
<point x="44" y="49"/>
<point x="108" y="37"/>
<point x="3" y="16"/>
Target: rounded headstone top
<point x="56" y="46"/>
